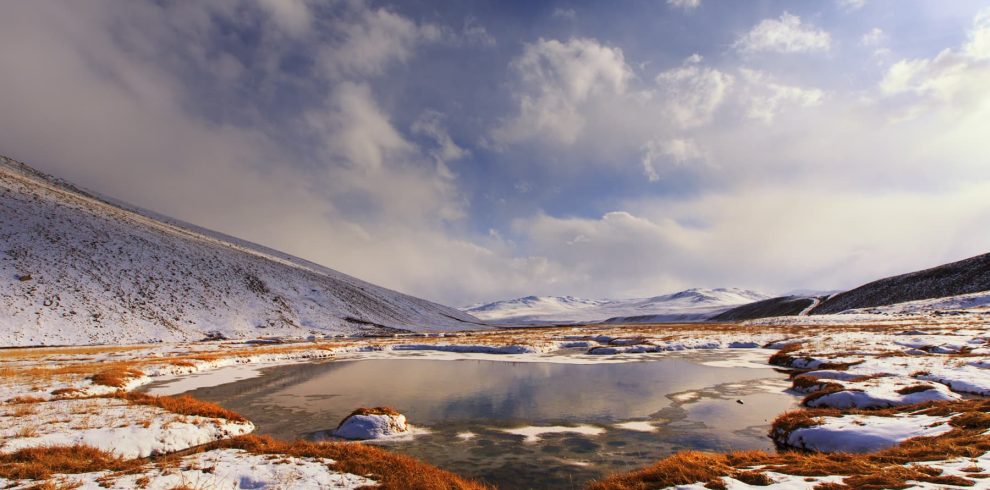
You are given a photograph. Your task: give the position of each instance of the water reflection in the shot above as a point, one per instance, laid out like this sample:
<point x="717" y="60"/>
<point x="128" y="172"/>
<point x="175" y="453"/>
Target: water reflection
<point x="481" y="397"/>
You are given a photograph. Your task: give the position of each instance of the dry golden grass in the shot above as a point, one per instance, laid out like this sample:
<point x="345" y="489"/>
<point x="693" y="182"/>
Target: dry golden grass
<point x="182" y="405"/>
<point x="116" y="377"/>
<point x="907" y="390"/>
<point x="40" y="463"/>
<point x="65" y="392"/>
<point x="890" y="468"/>
<point x="25" y="353"/>
<point x="390" y="470"/>
<point x="22" y="410"/>
<point x="25" y="399"/>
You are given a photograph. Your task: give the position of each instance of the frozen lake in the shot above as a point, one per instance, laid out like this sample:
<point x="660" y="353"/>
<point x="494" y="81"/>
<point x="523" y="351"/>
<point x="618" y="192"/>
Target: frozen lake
<point x="482" y="418"/>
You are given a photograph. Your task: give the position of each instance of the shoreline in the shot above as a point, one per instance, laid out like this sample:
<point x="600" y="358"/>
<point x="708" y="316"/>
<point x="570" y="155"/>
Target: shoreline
<point x="822" y="352"/>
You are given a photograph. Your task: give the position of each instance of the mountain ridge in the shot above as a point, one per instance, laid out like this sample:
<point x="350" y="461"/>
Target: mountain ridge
<point x="87" y="269"/>
<point x="688" y="305"/>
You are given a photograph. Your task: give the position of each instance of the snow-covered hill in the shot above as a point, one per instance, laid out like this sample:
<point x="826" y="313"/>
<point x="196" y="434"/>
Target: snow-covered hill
<point x="78" y="269"/>
<point x="689" y="305"/>
<point x="961" y="286"/>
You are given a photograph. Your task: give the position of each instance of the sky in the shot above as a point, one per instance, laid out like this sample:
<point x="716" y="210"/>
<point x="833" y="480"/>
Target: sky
<point x="467" y="151"/>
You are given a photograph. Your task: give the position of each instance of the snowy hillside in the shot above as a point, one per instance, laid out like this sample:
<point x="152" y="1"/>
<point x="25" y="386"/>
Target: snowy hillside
<point x="966" y="276"/>
<point x="958" y="286"/>
<point x="81" y="270"/>
<point x="688" y="305"/>
<point x="973" y="303"/>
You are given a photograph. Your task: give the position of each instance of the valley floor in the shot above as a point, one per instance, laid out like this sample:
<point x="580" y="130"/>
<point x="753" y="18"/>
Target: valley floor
<point x="891" y="402"/>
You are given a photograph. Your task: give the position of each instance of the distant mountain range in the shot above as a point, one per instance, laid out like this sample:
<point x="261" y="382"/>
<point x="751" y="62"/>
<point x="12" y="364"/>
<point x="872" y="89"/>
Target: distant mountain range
<point x="78" y="268"/>
<point x="83" y="269"/>
<point x="688" y="305"/>
<point x="958" y="283"/>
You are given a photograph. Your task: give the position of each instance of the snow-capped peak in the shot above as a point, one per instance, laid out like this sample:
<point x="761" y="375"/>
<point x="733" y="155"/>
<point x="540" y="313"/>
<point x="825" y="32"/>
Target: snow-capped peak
<point x="690" y="304"/>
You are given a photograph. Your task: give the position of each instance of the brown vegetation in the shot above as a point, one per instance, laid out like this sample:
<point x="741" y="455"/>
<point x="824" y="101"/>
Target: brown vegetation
<point x="390" y="470"/>
<point x="890" y="468"/>
<point x="40" y="463"/>
<point x="182" y="405"/>
<point x="116" y="377"/>
<point x="907" y="390"/>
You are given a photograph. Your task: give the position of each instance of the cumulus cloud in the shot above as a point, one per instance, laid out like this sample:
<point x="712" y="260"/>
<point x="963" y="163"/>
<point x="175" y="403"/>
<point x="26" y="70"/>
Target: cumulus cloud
<point x="693" y="92"/>
<point x="765" y="97"/>
<point x="677" y="151"/>
<point x="557" y="79"/>
<point x="799" y="238"/>
<point x="953" y="79"/>
<point x="317" y="135"/>
<point x="684" y="4"/>
<point x="873" y="37"/>
<point x="784" y="35"/>
<point x="851" y="5"/>
<point x="293" y="15"/>
<point x="369" y="201"/>
<point x="372" y="39"/>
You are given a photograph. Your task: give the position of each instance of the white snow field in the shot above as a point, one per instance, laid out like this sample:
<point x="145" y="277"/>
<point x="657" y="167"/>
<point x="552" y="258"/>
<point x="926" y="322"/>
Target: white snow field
<point x="688" y="305"/>
<point x="79" y="270"/>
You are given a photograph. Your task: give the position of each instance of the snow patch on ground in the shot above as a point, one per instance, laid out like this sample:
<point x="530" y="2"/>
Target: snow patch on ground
<point x="865" y="433"/>
<point x="114" y="425"/>
<point x="226" y="469"/>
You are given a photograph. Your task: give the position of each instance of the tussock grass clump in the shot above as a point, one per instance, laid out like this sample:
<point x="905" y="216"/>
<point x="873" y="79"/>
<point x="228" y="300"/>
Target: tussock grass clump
<point x="783" y="356"/>
<point x="25" y="399"/>
<point x="66" y="392"/>
<point x="39" y="463"/>
<point x="889" y="468"/>
<point x="182" y="405"/>
<point x="680" y="469"/>
<point x="116" y="377"/>
<point x="827" y="389"/>
<point x="390" y="470"/>
<point x="375" y="411"/>
<point x="907" y="390"/>
<point x="21" y="410"/>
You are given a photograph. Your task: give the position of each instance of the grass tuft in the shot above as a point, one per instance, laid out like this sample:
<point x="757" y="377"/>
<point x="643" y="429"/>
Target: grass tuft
<point x="116" y="377"/>
<point x="390" y="470"/>
<point x="182" y="405"/>
<point x="40" y="463"/>
<point x="907" y="390"/>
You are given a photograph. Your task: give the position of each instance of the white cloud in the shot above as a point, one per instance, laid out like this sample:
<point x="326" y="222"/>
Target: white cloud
<point x="821" y="238"/>
<point x="954" y="79"/>
<point x="430" y="124"/>
<point x="556" y="80"/>
<point x="677" y="151"/>
<point x="873" y="37"/>
<point x="784" y="35"/>
<point x="292" y="15"/>
<point x="977" y="45"/>
<point x="562" y="13"/>
<point x="765" y="98"/>
<point x="692" y="92"/>
<point x="684" y="4"/>
<point x="476" y="34"/>
<point x="371" y="40"/>
<point x="851" y="5"/>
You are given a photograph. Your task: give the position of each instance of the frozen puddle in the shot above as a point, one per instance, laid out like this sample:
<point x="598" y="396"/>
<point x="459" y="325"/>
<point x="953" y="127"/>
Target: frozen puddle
<point x="524" y="424"/>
